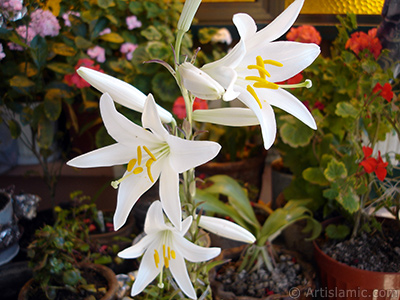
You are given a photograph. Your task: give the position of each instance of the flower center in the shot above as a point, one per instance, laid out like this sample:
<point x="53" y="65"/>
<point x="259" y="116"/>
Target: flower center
<point x="167" y="255"/>
<point x="261" y="81"/>
<point x="135" y="165"/>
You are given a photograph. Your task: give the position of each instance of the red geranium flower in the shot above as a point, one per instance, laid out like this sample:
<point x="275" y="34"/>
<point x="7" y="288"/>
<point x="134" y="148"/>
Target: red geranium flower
<point x="76" y="80"/>
<point x="371" y="164"/>
<point x="179" y="108"/>
<point x="360" y="41"/>
<point x="385" y="91"/>
<point x="304" y="34"/>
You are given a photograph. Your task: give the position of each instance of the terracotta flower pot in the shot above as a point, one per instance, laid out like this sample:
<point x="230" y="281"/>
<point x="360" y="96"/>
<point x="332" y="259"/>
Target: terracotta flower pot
<point x="340" y="281"/>
<point x="298" y="292"/>
<point x="106" y="272"/>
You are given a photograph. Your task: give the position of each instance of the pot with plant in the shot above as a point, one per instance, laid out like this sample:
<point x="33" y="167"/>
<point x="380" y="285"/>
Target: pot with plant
<point x="341" y="167"/>
<point x="61" y="257"/>
<point x="261" y="269"/>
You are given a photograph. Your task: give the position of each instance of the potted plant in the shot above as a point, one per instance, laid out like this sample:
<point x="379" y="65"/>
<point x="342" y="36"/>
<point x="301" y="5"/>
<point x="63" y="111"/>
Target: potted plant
<point x="61" y="257"/>
<point x="341" y="166"/>
<point x="261" y="261"/>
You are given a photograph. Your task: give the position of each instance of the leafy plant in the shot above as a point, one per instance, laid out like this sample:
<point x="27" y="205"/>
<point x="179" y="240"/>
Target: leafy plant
<point x="239" y="208"/>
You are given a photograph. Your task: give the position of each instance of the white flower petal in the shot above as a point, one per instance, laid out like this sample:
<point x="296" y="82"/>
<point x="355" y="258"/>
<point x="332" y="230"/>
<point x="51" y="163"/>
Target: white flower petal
<point x="115" y="154"/>
<point x="137" y="249"/>
<point x="154" y="221"/>
<point x="229" y="116"/>
<point x="121" y="92"/>
<point x="200" y="83"/>
<point x="147" y="269"/>
<point x="192" y="252"/>
<point x="151" y="120"/>
<point x="232" y="59"/>
<point x="245" y="25"/>
<point x="226" y="229"/>
<point x="181" y="276"/>
<point x="286" y="101"/>
<point x="185" y="226"/>
<point x="169" y="195"/>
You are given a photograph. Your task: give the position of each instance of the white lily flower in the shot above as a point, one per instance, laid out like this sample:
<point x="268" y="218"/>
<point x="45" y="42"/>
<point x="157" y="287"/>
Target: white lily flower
<point x="120" y="91"/>
<point x="226" y="229"/>
<point x="257" y="64"/>
<point x="149" y="154"/>
<point x="165" y="245"/>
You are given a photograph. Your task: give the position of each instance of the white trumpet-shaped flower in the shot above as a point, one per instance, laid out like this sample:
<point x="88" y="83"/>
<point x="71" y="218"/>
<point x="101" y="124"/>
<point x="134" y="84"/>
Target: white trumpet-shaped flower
<point x="120" y="91"/>
<point x="165" y="246"/>
<point x="257" y="64"/>
<point x="226" y="229"/>
<point x="149" y="154"/>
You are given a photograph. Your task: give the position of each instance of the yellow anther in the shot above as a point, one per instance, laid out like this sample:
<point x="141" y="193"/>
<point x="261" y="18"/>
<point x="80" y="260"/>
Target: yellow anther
<point x="138" y="170"/>
<point x="139" y="154"/>
<point x="253" y="93"/>
<point x="131" y="164"/>
<point x="149" y="153"/>
<point x="156" y="258"/>
<point x="273" y="62"/>
<point x="166" y="262"/>
<point x="148" y="165"/>
<point x="262" y="83"/>
<point x="169" y="253"/>
<point x="173" y="255"/>
<point x="260" y="63"/>
<point x="163" y="250"/>
<point x="261" y="70"/>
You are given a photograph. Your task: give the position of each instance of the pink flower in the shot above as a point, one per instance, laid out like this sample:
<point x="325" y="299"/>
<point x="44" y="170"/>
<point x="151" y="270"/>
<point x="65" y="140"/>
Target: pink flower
<point x="97" y="53"/>
<point x="132" y="22"/>
<point x="128" y="49"/>
<point x="105" y="31"/>
<point x="12" y="9"/>
<point x="66" y="15"/>
<point x="44" y="23"/>
<point x="76" y="80"/>
<point x="2" y="54"/>
<point x="26" y="38"/>
<point x="304" y="34"/>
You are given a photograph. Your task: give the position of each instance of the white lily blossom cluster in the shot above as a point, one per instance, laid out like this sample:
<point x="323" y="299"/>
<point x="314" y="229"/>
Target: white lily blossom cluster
<point x="250" y="73"/>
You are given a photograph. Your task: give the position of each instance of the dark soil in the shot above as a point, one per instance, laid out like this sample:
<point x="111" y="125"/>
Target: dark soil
<point x="261" y="283"/>
<point x="376" y="251"/>
<point x="91" y="276"/>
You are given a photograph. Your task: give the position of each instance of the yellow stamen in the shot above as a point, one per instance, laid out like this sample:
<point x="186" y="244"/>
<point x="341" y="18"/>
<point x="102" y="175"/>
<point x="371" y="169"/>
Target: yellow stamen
<point x="260" y="63"/>
<point x="149" y="153"/>
<point x="116" y="183"/>
<point x="273" y="62"/>
<point x="139" y="153"/>
<point x="262" y="83"/>
<point x="138" y="170"/>
<point x="163" y="250"/>
<point x="173" y="254"/>
<point x="166" y="262"/>
<point x="261" y="70"/>
<point x="253" y="93"/>
<point x="169" y="253"/>
<point x="156" y="258"/>
<point x="148" y="165"/>
<point x="131" y="164"/>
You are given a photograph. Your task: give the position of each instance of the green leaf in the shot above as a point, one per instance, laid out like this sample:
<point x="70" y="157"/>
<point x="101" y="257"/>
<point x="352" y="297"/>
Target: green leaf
<point x="135" y="7"/>
<point x="140" y="55"/>
<point x="14" y="128"/>
<point x="153" y="10"/>
<point x="316" y="176"/>
<point x="164" y="87"/>
<point x="63" y="50"/>
<point x="151" y="33"/>
<point x="345" y="110"/>
<point x="45" y="133"/>
<point x="71" y="277"/>
<point x="38" y="50"/>
<point x="335" y="170"/>
<point x="158" y="50"/>
<point x="105" y="3"/>
<point x="338" y="232"/>
<point x="349" y="199"/>
<point x="52" y="104"/>
<point x="21" y="81"/>
<point x="61" y="68"/>
<point x="295" y="133"/>
<point x="112" y="37"/>
<point x="82" y="43"/>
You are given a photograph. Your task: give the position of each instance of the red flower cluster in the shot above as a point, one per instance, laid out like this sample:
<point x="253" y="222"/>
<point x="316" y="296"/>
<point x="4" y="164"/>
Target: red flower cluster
<point x="76" y="80"/>
<point x="360" y="41"/>
<point x="304" y="34"/>
<point x="179" y="108"/>
<point x="385" y="91"/>
<point x="371" y="164"/>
